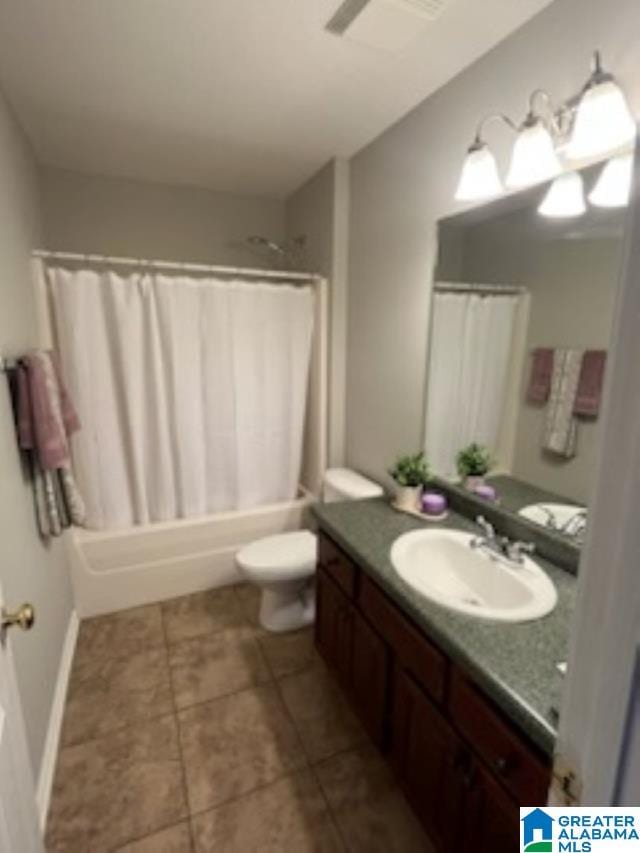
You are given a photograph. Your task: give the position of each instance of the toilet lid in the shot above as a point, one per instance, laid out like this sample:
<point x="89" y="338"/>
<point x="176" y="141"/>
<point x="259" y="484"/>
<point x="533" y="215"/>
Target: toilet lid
<point x="282" y="556"/>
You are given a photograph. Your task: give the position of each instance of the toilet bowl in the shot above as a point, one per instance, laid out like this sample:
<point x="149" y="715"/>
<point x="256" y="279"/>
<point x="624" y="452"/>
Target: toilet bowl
<point x="283" y="566"/>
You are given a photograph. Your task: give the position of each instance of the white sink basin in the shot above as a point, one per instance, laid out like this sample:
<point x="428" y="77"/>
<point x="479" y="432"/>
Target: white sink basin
<point x="564" y="517"/>
<point x="442" y="566"/>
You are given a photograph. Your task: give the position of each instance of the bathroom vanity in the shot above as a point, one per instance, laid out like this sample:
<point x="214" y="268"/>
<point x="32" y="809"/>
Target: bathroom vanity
<point x="461" y="708"/>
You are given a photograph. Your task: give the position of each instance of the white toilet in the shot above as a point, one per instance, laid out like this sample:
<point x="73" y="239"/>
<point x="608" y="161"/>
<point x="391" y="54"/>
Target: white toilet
<point x="283" y="566"/>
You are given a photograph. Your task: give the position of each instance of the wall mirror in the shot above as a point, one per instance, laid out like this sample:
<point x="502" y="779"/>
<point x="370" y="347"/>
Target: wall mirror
<point x="521" y="322"/>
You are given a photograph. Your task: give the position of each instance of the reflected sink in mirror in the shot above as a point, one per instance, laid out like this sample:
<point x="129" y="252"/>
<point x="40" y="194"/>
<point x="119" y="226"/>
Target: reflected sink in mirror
<point x="446" y="568"/>
<point x="568" y="519"/>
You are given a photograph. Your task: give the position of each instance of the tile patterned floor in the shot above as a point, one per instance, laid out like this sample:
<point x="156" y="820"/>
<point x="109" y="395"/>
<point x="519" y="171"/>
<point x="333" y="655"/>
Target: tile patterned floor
<point x="189" y="729"/>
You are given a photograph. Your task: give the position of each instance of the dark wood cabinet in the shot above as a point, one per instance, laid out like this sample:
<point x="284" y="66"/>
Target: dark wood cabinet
<point x="333" y="627"/>
<point x="356" y="653"/>
<point x="370" y="673"/>
<point x="492" y="818"/>
<point x="462" y="765"/>
<point x="429" y="760"/>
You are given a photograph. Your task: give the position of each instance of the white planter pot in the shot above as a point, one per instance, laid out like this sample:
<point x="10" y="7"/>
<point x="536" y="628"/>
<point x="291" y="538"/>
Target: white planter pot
<point x="408" y="497"/>
<point x="472" y="482"/>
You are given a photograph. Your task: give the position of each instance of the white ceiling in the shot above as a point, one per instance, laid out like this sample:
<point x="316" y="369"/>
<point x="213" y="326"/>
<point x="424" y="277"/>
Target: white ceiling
<point x="246" y="96"/>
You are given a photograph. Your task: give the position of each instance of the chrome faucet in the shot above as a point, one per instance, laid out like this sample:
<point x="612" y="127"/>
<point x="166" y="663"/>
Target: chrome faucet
<point x="501" y="545"/>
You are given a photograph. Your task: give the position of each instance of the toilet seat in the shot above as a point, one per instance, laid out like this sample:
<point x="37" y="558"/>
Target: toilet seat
<point x="286" y="556"/>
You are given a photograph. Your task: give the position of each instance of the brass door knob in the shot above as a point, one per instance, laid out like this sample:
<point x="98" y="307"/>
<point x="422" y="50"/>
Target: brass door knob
<point x="24" y="617"/>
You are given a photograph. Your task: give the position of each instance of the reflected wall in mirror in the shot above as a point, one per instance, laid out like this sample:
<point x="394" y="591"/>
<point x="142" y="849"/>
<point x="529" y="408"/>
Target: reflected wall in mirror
<point x="521" y="322"/>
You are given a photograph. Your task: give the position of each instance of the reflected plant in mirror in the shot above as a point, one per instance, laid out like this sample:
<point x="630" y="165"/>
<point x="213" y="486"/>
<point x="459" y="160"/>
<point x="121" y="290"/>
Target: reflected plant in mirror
<point x="521" y="321"/>
<point x="473" y="464"/>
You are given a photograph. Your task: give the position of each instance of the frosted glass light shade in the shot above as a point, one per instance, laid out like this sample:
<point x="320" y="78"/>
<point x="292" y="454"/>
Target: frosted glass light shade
<point x="534" y="158"/>
<point x="479" y="179"/>
<point x="603" y="122"/>
<point x="565" y="197"/>
<point x="613" y="187"/>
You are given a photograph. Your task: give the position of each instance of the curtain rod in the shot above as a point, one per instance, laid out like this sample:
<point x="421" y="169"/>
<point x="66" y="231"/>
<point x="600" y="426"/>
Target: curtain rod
<point x="176" y="265"/>
<point x="489" y="289"/>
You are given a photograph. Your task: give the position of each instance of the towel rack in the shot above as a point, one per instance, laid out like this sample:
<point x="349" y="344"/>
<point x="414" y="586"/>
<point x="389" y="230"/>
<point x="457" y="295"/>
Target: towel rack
<point x="7" y="364"/>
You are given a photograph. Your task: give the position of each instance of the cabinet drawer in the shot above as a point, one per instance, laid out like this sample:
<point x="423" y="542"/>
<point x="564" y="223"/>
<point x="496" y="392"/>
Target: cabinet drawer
<point x="413" y="651"/>
<point x="336" y="563"/>
<point x="510" y="759"/>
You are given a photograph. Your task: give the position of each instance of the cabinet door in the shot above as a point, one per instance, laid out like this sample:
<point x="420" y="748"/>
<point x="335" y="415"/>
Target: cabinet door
<point x="370" y="681"/>
<point x="492" y="822"/>
<point x="429" y="759"/>
<point x="333" y="626"/>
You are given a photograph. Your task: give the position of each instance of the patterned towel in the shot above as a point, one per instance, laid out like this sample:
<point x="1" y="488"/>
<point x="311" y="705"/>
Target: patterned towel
<point x="560" y="429"/>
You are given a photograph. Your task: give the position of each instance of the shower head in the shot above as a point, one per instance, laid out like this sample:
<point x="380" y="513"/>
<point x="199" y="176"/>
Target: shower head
<point x="258" y="240"/>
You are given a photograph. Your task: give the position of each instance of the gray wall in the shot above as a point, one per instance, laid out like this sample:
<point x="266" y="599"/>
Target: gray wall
<point x="116" y="216"/>
<point x="29" y="571"/>
<point x="320" y="210"/>
<point x="573" y="284"/>
<point x="404" y="182"/>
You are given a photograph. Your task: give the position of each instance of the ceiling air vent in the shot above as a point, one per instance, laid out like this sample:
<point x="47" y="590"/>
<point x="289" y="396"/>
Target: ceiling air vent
<point x="385" y="24"/>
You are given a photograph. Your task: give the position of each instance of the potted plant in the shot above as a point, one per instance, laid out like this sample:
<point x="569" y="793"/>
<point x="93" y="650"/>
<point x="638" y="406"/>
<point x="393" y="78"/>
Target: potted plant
<point x="473" y="463"/>
<point x="410" y="473"/>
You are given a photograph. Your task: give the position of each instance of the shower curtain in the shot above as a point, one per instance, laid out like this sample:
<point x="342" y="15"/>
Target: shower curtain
<point x="471" y="346"/>
<point x="191" y="390"/>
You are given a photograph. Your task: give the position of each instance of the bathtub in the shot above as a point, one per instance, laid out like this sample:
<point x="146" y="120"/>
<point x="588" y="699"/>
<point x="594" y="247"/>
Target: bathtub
<point x="116" y="569"/>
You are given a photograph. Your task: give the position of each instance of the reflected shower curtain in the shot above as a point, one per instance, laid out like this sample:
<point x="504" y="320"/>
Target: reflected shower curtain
<point x="471" y="347"/>
<point x="191" y="391"/>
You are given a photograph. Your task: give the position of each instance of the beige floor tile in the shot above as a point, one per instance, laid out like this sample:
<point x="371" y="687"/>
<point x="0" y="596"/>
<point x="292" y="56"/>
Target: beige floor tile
<point x="107" y="695"/>
<point x="323" y="718"/>
<point x="288" y="653"/>
<point x="249" y="597"/>
<point x="175" y="839"/>
<point x="235" y="744"/>
<point x="371" y="812"/>
<point x="288" y="815"/>
<point x="119" y="634"/>
<point x="213" y="665"/>
<point x="201" y="613"/>
<point x="116" y="788"/>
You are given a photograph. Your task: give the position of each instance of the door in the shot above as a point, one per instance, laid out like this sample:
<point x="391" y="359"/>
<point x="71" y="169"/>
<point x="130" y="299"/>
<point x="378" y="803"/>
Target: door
<point x="19" y="830"/>
<point x="598" y="744"/>
<point x="431" y="762"/>
<point x="370" y="670"/>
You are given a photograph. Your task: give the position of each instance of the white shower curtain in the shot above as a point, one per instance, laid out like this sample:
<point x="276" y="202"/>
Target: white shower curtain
<point x="191" y="391"/>
<point x="471" y="346"/>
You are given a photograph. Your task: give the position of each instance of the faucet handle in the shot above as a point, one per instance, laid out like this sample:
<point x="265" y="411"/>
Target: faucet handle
<point x="517" y="549"/>
<point x="487" y="528"/>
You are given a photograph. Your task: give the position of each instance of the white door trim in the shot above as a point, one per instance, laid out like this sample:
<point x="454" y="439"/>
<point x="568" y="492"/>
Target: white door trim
<point x="606" y="623"/>
<point x="54" y="729"/>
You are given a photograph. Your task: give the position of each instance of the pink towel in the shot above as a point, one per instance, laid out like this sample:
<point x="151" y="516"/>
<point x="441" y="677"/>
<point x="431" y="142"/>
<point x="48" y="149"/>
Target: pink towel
<point x="589" y="393"/>
<point x="46" y="416"/>
<point x="540" y="378"/>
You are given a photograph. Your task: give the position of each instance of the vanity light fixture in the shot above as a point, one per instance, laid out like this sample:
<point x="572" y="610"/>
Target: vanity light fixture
<point x="564" y="198"/>
<point x="534" y="159"/>
<point x="593" y="123"/>
<point x="603" y="120"/>
<point x="479" y="179"/>
<point x="613" y="187"/>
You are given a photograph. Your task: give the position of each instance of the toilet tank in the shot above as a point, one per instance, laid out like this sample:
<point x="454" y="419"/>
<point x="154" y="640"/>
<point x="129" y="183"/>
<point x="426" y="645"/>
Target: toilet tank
<point x="342" y="484"/>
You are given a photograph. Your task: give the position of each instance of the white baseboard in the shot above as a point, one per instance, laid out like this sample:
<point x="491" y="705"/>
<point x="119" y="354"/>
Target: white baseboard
<point x="52" y="741"/>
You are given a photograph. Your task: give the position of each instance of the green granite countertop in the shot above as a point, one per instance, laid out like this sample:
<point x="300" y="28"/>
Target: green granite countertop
<point x="513" y="663"/>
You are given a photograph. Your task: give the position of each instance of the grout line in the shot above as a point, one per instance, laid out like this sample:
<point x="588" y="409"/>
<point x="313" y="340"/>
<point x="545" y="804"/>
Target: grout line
<point x="183" y="771"/>
<point x="332" y="817"/>
<point x="261" y="787"/>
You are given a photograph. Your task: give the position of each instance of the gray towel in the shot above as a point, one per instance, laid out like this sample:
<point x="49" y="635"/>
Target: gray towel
<point x="560" y="429"/>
